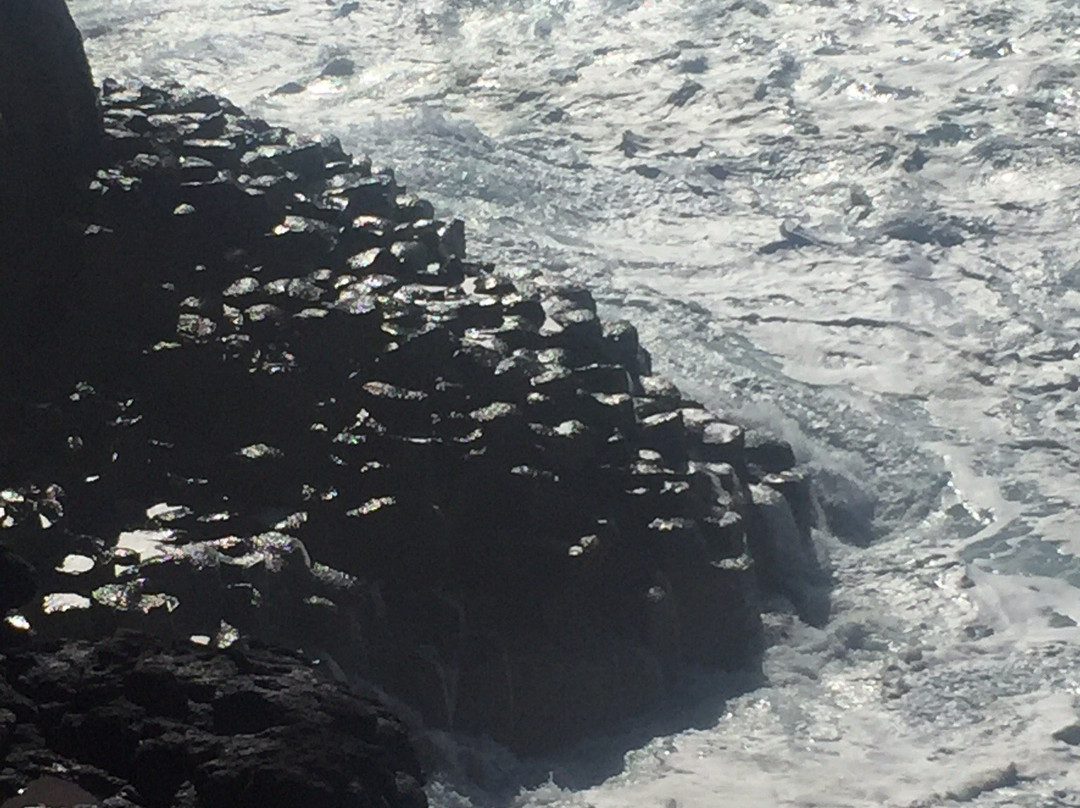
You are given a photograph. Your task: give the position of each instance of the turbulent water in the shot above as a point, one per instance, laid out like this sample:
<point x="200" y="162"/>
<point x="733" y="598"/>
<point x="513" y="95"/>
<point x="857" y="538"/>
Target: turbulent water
<point x="916" y="335"/>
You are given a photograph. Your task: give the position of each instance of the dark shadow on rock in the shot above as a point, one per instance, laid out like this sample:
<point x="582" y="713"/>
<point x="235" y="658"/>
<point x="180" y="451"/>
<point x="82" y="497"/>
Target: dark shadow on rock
<point x="50" y="132"/>
<point x="133" y="718"/>
<point x="700" y="705"/>
<point x="489" y="774"/>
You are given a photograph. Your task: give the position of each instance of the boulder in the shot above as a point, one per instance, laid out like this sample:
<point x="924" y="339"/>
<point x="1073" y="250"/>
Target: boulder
<point x="137" y="719"/>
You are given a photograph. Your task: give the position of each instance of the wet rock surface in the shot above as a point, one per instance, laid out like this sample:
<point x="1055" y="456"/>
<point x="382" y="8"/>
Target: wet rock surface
<point x="304" y="415"/>
<point x="136" y="721"/>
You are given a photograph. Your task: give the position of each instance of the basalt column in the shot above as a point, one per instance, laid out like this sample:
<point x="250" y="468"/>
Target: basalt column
<point x="50" y="129"/>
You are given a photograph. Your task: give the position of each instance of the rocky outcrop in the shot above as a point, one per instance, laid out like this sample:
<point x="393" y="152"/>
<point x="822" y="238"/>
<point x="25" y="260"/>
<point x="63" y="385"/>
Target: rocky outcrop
<point x="17" y="582"/>
<point x="343" y="436"/>
<point x="49" y="121"/>
<point x="50" y="130"/>
<point x="134" y="721"/>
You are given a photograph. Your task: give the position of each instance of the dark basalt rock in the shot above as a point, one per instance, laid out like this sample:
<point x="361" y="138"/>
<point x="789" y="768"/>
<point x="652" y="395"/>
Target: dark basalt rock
<point x="50" y="131"/>
<point x="17" y="580"/>
<point x="766" y="455"/>
<point x="49" y="121"/>
<point x="348" y="439"/>
<point x="136" y="721"/>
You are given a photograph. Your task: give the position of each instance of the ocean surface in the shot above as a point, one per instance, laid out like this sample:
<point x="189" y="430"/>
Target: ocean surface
<point x="915" y="334"/>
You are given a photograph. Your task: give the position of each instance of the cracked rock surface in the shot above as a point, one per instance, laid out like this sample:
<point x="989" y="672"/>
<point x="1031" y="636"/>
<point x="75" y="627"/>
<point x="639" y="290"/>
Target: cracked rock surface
<point x="137" y="721"/>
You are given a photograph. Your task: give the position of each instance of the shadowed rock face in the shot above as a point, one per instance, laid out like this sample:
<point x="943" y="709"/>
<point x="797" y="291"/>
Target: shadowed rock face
<point x="137" y="722"/>
<point x="16" y="580"/>
<point x="49" y="121"/>
<point x="50" y="131"/>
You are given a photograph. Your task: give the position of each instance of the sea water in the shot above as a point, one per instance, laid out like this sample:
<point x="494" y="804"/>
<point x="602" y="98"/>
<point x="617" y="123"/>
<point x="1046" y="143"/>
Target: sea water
<point x="851" y="223"/>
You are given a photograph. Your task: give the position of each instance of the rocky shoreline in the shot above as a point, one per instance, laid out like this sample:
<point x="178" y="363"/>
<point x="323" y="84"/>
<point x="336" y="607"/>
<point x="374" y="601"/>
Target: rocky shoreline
<point x="269" y="398"/>
<point x="149" y="723"/>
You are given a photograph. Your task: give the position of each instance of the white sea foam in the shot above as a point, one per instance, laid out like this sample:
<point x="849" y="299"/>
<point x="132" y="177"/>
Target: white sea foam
<point x="923" y="347"/>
